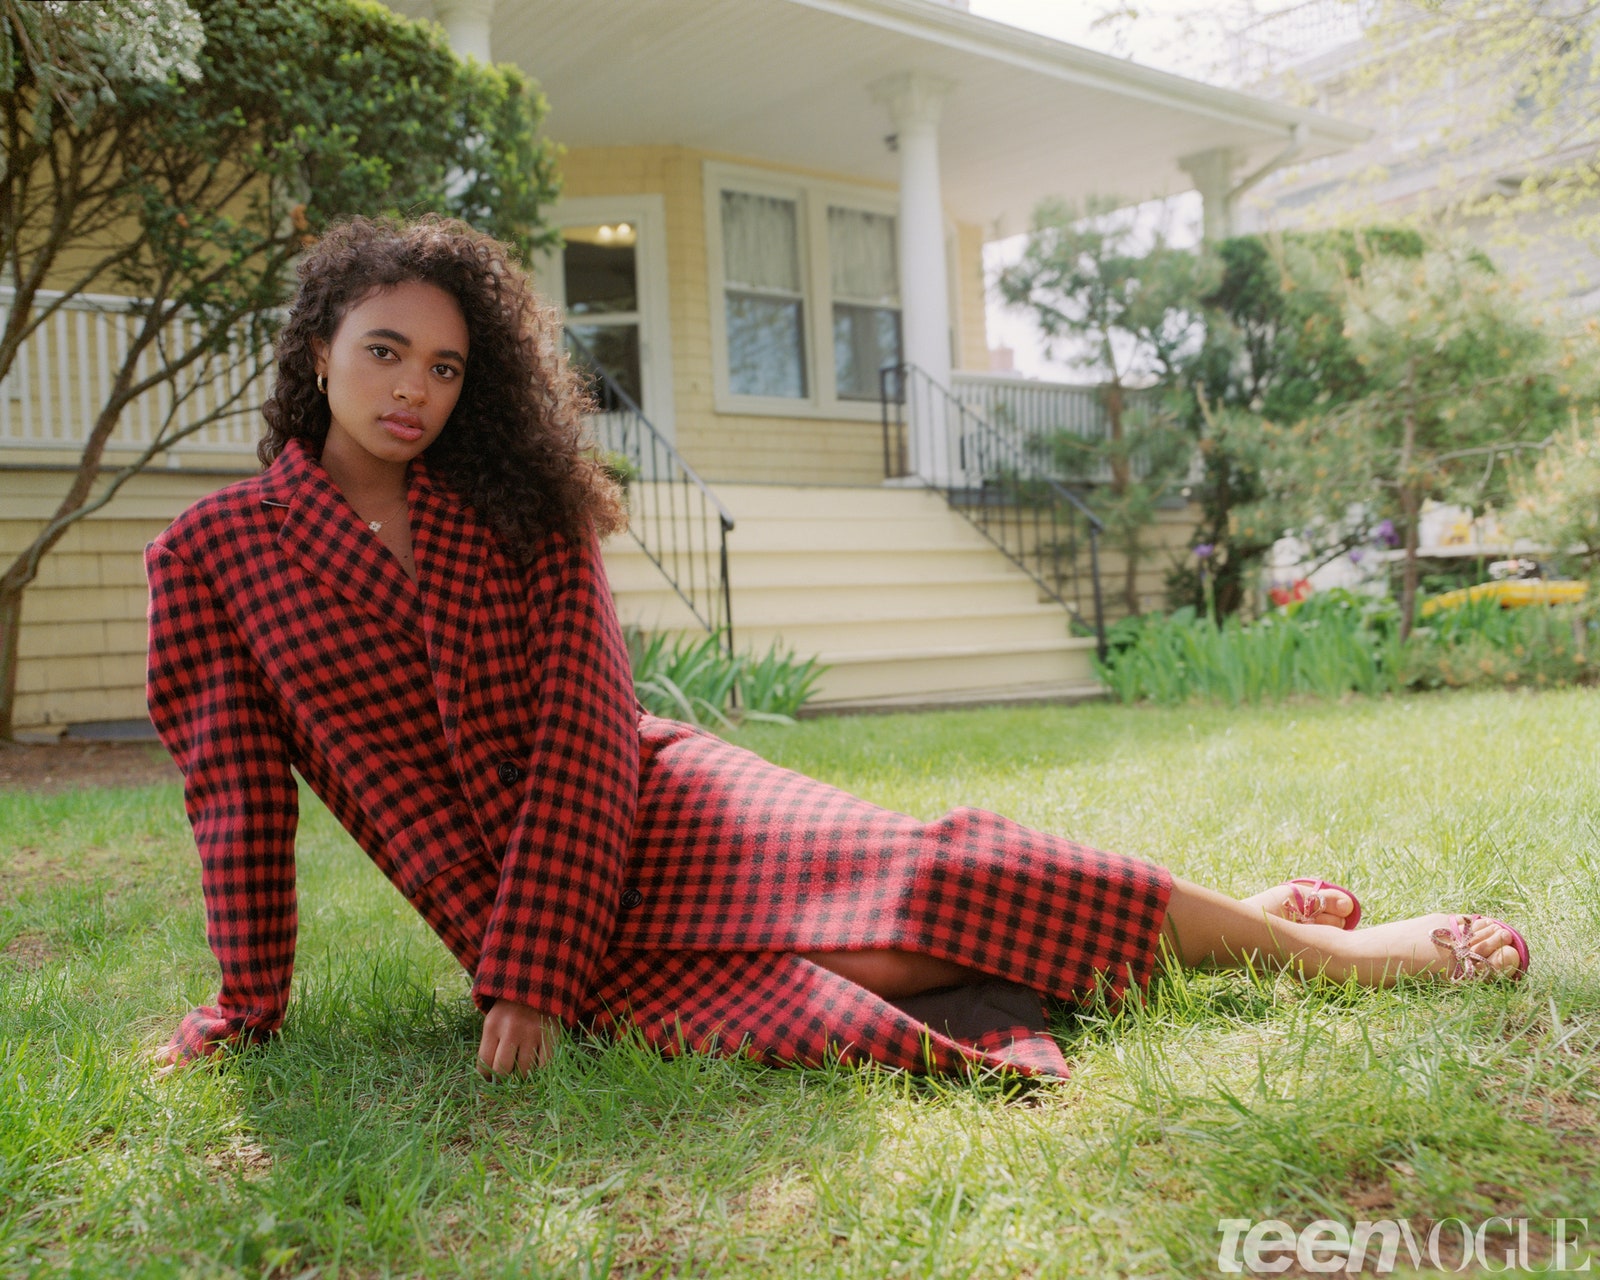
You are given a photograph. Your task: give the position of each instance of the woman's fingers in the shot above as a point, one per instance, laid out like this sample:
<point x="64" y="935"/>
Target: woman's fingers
<point x="515" y="1039"/>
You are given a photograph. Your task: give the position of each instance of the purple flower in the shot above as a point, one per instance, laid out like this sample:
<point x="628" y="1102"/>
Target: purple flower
<point x="1357" y="555"/>
<point x="1383" y="534"/>
<point x="1205" y="550"/>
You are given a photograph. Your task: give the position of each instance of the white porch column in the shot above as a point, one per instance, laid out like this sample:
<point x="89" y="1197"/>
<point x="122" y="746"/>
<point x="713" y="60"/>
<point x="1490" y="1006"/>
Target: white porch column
<point x="914" y="100"/>
<point x="1212" y="172"/>
<point x="466" y="24"/>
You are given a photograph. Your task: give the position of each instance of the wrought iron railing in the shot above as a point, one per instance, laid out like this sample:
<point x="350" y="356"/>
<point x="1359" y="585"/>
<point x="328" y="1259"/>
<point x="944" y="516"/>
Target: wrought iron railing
<point x="678" y="522"/>
<point x="991" y="475"/>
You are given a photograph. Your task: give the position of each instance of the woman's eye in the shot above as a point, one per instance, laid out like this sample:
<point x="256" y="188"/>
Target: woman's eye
<point x="446" y="371"/>
<point x="381" y="351"/>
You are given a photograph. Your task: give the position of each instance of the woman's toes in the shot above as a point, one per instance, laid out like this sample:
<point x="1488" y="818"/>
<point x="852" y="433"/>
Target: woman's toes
<point x="1336" y="907"/>
<point x="1303" y="904"/>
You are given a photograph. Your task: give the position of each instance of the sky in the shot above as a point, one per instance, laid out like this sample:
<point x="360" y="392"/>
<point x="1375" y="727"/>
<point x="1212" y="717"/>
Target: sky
<point x="1156" y="39"/>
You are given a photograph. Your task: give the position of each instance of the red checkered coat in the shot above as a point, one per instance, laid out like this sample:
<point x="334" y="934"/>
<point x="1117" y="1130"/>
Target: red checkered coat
<point x="476" y="732"/>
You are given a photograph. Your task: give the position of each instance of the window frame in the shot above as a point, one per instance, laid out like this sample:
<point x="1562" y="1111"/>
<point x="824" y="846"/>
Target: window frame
<point x="647" y="214"/>
<point x="812" y="198"/>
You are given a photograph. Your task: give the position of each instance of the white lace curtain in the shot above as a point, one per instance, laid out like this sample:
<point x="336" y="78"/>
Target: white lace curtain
<point x="865" y="259"/>
<point x="760" y="242"/>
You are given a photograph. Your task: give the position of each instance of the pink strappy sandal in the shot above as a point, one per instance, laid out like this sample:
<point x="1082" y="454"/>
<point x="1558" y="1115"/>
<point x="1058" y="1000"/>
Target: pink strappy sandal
<point x="1466" y="964"/>
<point x="1302" y="907"/>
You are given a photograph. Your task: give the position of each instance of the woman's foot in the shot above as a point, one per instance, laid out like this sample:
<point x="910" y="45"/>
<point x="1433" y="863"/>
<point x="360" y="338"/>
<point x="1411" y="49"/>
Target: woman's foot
<point x="1458" y="947"/>
<point x="1300" y="901"/>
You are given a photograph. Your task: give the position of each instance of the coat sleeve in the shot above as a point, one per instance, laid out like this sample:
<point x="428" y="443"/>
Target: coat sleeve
<point x="563" y="867"/>
<point x="209" y="703"/>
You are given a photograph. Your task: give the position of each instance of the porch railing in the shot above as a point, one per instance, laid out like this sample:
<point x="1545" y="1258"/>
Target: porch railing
<point x="1034" y="408"/>
<point x="63" y="375"/>
<point x="678" y="522"/>
<point x="989" y="473"/>
<point x="1038" y="410"/>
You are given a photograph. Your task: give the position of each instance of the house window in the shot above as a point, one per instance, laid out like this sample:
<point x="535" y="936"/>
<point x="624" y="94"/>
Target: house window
<point x="602" y="295"/>
<point x="766" y="303"/>
<point x="866" y="299"/>
<point x="806" y="296"/>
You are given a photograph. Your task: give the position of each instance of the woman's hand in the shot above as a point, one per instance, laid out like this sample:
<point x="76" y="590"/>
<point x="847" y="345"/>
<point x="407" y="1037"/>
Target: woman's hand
<point x="516" y="1039"/>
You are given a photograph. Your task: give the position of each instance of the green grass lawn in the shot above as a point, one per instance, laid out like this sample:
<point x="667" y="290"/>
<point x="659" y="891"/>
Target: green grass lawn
<point x="362" y="1143"/>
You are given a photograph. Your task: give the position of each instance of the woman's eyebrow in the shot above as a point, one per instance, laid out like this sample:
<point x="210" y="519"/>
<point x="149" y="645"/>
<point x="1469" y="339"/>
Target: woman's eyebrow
<point x="401" y="340"/>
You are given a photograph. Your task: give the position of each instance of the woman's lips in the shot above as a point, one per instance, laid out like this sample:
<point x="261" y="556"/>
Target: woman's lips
<point x="403" y="427"/>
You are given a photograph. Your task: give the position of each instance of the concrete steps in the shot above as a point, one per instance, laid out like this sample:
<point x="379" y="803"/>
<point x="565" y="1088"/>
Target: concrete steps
<point x="904" y="600"/>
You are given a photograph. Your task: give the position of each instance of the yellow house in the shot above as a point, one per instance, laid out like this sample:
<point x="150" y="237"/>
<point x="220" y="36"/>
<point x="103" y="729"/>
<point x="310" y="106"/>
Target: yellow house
<point x="774" y="216"/>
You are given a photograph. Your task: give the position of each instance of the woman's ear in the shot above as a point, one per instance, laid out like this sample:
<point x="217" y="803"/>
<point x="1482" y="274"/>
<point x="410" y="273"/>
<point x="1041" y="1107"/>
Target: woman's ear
<point x="319" y="357"/>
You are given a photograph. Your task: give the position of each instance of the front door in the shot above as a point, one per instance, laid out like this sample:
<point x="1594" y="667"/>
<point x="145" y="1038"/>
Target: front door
<point x="609" y="278"/>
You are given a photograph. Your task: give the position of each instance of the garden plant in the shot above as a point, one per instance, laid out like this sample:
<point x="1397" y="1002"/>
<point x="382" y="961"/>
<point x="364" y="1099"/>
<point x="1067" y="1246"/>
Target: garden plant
<point x="694" y="678"/>
<point x="1335" y="643"/>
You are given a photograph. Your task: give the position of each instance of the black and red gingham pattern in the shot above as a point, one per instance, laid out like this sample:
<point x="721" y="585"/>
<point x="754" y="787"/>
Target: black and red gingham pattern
<point x="414" y="711"/>
<point x="477" y="735"/>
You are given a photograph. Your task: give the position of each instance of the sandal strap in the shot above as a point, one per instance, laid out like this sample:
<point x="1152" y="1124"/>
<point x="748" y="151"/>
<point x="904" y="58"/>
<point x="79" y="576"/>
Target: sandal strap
<point x="1303" y="906"/>
<point x="1468" y="962"/>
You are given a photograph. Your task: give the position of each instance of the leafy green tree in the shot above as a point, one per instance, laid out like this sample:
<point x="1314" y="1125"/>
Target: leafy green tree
<point x="1457" y="378"/>
<point x="1505" y="91"/>
<point x="1125" y="307"/>
<point x="187" y="176"/>
<point x="1274" y="347"/>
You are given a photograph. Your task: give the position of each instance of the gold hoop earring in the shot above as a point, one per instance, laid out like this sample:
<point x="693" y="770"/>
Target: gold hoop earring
<point x="322" y="384"/>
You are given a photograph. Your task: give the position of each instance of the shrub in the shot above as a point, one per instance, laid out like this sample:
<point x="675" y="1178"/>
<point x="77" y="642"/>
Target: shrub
<point x="691" y="678"/>
<point x="1336" y="643"/>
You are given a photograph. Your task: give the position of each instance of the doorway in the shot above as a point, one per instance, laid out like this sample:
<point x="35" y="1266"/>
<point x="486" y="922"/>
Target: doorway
<point x="610" y="280"/>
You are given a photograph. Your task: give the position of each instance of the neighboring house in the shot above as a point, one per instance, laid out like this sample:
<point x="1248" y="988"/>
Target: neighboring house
<point x="1443" y="137"/>
<point x="765" y="201"/>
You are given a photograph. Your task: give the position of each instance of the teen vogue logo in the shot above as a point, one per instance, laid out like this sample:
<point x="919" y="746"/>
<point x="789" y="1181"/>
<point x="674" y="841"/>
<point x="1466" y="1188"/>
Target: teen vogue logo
<point x="1536" y="1247"/>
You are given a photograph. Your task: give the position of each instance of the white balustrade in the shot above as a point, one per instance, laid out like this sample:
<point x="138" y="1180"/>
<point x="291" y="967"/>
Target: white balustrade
<point x="63" y="375"/>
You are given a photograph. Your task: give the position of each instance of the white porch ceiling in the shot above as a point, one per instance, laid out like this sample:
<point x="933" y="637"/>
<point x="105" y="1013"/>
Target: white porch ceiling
<point x="786" y="82"/>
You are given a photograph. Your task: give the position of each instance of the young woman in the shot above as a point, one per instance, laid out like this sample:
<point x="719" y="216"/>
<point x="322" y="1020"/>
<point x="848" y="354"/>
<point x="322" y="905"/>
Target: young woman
<point x="408" y="607"/>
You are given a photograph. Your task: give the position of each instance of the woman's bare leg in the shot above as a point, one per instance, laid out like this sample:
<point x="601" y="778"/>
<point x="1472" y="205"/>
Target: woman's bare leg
<point x="1208" y="928"/>
<point x="892" y="974"/>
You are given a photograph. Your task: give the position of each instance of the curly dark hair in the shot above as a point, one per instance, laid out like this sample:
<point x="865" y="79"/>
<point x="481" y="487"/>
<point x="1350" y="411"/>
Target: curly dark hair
<point x="515" y="446"/>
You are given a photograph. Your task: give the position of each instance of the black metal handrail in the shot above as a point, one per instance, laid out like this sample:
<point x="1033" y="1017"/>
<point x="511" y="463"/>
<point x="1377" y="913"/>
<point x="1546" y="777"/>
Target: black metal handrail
<point x="991" y="476"/>
<point x="678" y="522"/>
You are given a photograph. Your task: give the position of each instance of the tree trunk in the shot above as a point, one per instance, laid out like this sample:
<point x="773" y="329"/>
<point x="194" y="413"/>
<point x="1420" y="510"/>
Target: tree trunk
<point x="1121" y="479"/>
<point x="10" y="633"/>
<point x="1130" y="577"/>
<point x="24" y="569"/>
<point x="1411" y="509"/>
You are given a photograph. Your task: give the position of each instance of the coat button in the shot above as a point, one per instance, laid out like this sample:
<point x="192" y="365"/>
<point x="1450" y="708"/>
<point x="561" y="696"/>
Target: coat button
<point x="510" y="774"/>
<point x="631" y="897"/>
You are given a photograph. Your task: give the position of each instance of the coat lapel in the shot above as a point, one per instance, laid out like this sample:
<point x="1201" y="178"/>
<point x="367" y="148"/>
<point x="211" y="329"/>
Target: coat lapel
<point x="322" y="531"/>
<point x="451" y="548"/>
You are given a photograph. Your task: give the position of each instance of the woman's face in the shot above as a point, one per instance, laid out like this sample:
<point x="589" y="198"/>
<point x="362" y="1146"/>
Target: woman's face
<point x="394" y="368"/>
